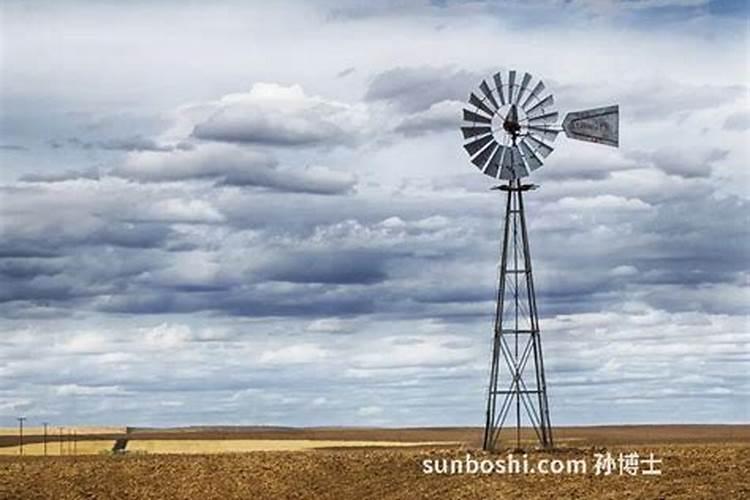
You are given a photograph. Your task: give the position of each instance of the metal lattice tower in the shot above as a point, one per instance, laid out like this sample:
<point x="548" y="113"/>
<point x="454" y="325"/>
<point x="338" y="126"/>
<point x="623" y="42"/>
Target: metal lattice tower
<point x="516" y="343"/>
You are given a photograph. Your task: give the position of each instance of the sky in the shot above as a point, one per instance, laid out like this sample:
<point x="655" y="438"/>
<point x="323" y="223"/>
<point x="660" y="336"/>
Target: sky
<point x="260" y="212"/>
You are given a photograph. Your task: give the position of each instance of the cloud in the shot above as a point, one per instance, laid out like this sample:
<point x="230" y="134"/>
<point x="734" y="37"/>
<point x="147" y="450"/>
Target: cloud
<point x="422" y="352"/>
<point x="168" y="336"/>
<point x="414" y="89"/>
<point x="330" y="325"/>
<point x="346" y="72"/>
<point x="681" y="162"/>
<point x="444" y="115"/>
<point x="369" y="411"/>
<point x="342" y="267"/>
<point x="132" y="143"/>
<point x="275" y="115"/>
<point x="739" y="120"/>
<point x="84" y="390"/>
<point x="91" y="173"/>
<point x="13" y="147"/>
<point x="202" y="163"/>
<point x="233" y="166"/>
<point x="294" y="354"/>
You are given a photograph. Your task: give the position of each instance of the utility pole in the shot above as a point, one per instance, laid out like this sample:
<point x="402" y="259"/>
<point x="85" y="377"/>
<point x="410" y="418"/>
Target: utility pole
<point x="45" y="424"/>
<point x="20" y="434"/>
<point x="61" y="441"/>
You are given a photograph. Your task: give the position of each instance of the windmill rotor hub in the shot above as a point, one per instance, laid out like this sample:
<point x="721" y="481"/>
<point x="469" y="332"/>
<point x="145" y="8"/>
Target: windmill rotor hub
<point x="510" y="124"/>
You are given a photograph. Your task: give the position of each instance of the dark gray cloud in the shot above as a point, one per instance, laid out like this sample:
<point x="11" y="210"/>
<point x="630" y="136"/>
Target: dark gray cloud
<point x="68" y="175"/>
<point x="346" y="72"/>
<point x="122" y="234"/>
<point x="28" y="268"/>
<point x="390" y="261"/>
<point x="346" y="268"/>
<point x="252" y="128"/>
<point x="13" y="147"/>
<point x="132" y="143"/>
<point x="414" y="89"/>
<point x="250" y="301"/>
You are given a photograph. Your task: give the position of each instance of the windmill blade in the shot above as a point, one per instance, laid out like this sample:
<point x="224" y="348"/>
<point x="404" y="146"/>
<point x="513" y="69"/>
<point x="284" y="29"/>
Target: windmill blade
<point x="480" y="160"/>
<point x="524" y="83"/>
<point x="534" y="94"/>
<point x="532" y="160"/>
<point x="474" y="131"/>
<point x="473" y="147"/>
<point x="599" y="125"/>
<point x="488" y="94"/>
<point x="540" y="147"/>
<point x="545" y="118"/>
<point x="511" y="83"/>
<point x="494" y="164"/>
<point x="473" y="117"/>
<point x="538" y="108"/>
<point x="499" y="87"/>
<point x="473" y="99"/>
<point x="543" y="133"/>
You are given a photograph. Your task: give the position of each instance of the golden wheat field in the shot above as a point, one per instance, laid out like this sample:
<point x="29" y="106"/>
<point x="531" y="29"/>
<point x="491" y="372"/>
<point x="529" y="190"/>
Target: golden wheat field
<point x="88" y="447"/>
<point x="199" y="446"/>
<point x="696" y="462"/>
<point x="38" y="430"/>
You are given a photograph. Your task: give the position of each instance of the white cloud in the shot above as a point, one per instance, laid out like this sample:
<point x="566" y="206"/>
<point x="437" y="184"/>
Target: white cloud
<point x="88" y="342"/>
<point x="294" y="354"/>
<point x="176" y="209"/>
<point x="423" y="352"/>
<point x="167" y="336"/>
<point x="275" y="115"/>
<point x="330" y="325"/>
<point x="369" y="411"/>
<point x="86" y="390"/>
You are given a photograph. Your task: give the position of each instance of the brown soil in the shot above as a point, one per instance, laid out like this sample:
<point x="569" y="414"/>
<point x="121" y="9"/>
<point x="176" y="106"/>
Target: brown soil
<point x="698" y="462"/>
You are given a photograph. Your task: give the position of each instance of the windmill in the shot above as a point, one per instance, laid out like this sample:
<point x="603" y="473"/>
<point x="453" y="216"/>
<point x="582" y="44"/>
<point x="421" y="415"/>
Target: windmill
<point x="509" y="129"/>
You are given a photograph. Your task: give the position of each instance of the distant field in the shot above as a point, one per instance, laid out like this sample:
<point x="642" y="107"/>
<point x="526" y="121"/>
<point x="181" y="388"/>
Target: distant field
<point x="51" y="430"/>
<point x="247" y="445"/>
<point x="245" y="439"/>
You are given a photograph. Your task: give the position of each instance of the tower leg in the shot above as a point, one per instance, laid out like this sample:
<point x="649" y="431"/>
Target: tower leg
<point x="516" y="342"/>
